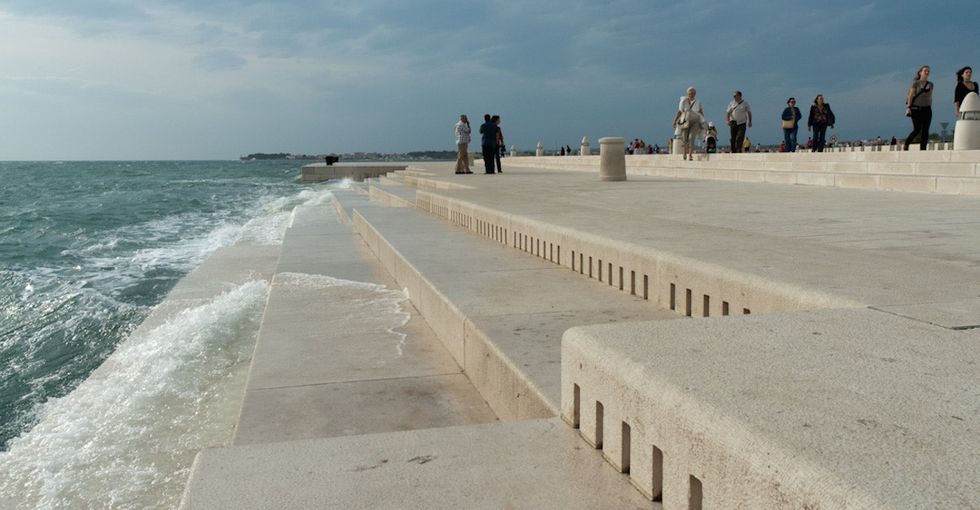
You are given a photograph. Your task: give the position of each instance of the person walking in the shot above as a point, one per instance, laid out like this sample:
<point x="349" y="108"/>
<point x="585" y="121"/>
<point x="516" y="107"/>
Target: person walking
<point x="462" y="144"/>
<point x="964" y="85"/>
<point x="821" y="116"/>
<point x="918" y="106"/>
<point x="499" y="152"/>
<point x="488" y="133"/>
<point x="791" y="124"/>
<point x="688" y="120"/>
<point x="739" y="118"/>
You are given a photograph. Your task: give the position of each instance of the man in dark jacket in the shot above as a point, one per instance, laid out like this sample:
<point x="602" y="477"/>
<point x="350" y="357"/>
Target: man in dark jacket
<point x="489" y="135"/>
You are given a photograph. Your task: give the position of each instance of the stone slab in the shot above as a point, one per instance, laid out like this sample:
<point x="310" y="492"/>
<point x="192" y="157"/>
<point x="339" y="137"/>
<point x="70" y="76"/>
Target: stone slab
<point x="359" y="407"/>
<point x="533" y="464"/>
<point x="827" y="409"/>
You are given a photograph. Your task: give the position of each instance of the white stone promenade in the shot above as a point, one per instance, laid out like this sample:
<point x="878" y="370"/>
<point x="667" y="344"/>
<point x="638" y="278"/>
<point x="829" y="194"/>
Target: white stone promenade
<point x="826" y="357"/>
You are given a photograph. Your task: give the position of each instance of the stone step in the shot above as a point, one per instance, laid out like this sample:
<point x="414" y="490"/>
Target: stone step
<point x="824" y="409"/>
<point x="500" y="313"/>
<point x="341" y="351"/>
<point x="532" y="464"/>
<point x="392" y="194"/>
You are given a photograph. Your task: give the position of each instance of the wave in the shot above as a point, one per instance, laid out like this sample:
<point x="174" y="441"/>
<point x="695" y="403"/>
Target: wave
<point x="126" y="436"/>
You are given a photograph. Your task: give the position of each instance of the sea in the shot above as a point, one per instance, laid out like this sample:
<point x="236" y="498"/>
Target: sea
<point x="96" y="411"/>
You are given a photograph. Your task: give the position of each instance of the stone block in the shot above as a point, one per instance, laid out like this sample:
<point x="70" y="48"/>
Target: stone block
<point x="958" y="185"/>
<point x="815" y="179"/>
<point x="918" y="184"/>
<point x="945" y="169"/>
<point x="856" y="181"/>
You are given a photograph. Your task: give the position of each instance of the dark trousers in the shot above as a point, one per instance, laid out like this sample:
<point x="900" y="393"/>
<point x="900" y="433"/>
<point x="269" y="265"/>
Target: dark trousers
<point x="819" y="137"/>
<point x="488" y="157"/>
<point x="738" y="137"/>
<point x="498" y="151"/>
<point x="921" y="118"/>
<point x="789" y="138"/>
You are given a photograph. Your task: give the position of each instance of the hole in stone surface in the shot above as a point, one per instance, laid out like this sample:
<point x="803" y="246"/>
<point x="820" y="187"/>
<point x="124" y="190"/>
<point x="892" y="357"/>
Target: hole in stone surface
<point x="673" y="297"/>
<point x="609" y="274"/>
<point x="632" y="283"/>
<point x="624" y="454"/>
<point x="620" y="277"/>
<point x="600" y="270"/>
<point x="695" y="495"/>
<point x="706" y="306"/>
<point x="573" y="260"/>
<point x="559" y="255"/>
<point x="746" y="311"/>
<point x="598" y="424"/>
<point x="646" y="287"/>
<point x="576" y="402"/>
<point x="687" y="302"/>
<point x="724" y="308"/>
<point x="658" y="473"/>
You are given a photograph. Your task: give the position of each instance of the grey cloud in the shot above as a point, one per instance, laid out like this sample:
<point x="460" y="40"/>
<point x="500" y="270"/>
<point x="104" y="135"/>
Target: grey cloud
<point x="220" y="60"/>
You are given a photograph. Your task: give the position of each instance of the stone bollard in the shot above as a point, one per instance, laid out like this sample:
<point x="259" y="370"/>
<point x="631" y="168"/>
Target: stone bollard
<point x="585" y="150"/>
<point x="612" y="159"/>
<point x="513" y="151"/>
<point x="539" y="150"/>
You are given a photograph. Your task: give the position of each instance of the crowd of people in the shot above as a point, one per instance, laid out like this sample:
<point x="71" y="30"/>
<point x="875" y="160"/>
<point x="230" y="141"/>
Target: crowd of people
<point x="689" y="123"/>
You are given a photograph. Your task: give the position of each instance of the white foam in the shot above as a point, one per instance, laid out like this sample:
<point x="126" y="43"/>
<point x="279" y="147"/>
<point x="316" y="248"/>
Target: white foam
<point x="352" y="306"/>
<point x="127" y="435"/>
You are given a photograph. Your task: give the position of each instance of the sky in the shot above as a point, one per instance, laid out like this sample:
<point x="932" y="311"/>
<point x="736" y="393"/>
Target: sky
<point x="183" y="79"/>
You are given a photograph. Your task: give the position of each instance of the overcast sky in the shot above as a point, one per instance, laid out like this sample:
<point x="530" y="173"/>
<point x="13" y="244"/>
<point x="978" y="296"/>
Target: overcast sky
<point x="183" y="79"/>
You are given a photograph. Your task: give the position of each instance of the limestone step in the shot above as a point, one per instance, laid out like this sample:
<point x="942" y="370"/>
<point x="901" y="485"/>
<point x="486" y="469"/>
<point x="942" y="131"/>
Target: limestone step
<point x="393" y="194"/>
<point x="500" y="313"/>
<point x="824" y="409"/>
<point x="532" y="464"/>
<point x="341" y="351"/>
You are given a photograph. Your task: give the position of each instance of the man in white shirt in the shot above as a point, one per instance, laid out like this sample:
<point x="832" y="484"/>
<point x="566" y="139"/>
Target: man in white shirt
<point x="739" y="116"/>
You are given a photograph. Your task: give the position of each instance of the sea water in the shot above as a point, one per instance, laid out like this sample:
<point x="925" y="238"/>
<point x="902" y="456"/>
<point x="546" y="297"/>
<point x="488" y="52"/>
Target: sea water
<point x="96" y="411"/>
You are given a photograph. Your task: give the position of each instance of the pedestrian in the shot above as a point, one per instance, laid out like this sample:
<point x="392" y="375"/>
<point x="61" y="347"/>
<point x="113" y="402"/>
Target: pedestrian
<point x="488" y="132"/>
<point x="500" y="143"/>
<point x="964" y="85"/>
<point x="711" y="139"/>
<point x="918" y="106"/>
<point x="791" y="124"/>
<point x="462" y="144"/>
<point x="562" y="151"/>
<point x="568" y="150"/>
<point x="739" y="118"/>
<point x="821" y="116"/>
<point x="688" y="119"/>
<point x="894" y="141"/>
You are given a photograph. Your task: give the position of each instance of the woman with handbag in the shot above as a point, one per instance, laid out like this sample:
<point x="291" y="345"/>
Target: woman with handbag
<point x="820" y="117"/>
<point x="688" y="121"/>
<point x="791" y="124"/>
<point x="918" y="105"/>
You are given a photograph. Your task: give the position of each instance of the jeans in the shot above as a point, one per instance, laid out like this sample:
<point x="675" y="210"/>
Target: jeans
<point x="738" y="137"/>
<point x="921" y="118"/>
<point x="488" y="155"/>
<point x="819" y="137"/>
<point x="789" y="138"/>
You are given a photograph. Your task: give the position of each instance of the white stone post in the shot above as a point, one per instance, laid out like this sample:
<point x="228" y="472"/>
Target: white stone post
<point x="539" y="150"/>
<point x="513" y="151"/>
<point x="585" y="150"/>
<point x="612" y="159"/>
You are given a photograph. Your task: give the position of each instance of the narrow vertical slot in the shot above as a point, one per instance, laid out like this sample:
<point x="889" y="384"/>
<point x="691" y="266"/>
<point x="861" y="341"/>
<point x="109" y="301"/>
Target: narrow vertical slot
<point x="624" y="454"/>
<point x="598" y="425"/>
<point x="600" y="270"/>
<point x="620" y="277"/>
<point x="746" y="311"/>
<point x="687" y="302"/>
<point x="590" y="266"/>
<point x="609" y="274"/>
<point x="658" y="473"/>
<point x="573" y="260"/>
<point x="559" y="255"/>
<point x="646" y="287"/>
<point x="673" y="297"/>
<point x="576" y="403"/>
<point x="581" y="270"/>
<point x="632" y="282"/>
<point x="724" y="308"/>
<point x="695" y="495"/>
<point x="706" y="306"/>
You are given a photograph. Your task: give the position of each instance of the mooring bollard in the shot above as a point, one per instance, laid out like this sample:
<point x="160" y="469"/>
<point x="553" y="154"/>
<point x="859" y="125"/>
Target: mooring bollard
<point x="539" y="150"/>
<point x="612" y="159"/>
<point x="585" y="149"/>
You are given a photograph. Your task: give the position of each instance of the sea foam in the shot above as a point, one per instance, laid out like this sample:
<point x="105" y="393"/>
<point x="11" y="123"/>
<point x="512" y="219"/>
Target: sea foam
<point x="126" y="437"/>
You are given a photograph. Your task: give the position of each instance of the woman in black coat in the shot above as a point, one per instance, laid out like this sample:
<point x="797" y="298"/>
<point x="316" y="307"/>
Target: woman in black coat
<point x="821" y="116"/>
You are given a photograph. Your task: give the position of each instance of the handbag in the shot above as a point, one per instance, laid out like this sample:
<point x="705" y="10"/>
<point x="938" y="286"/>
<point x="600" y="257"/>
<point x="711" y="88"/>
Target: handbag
<point x="791" y="123"/>
<point x="684" y="121"/>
